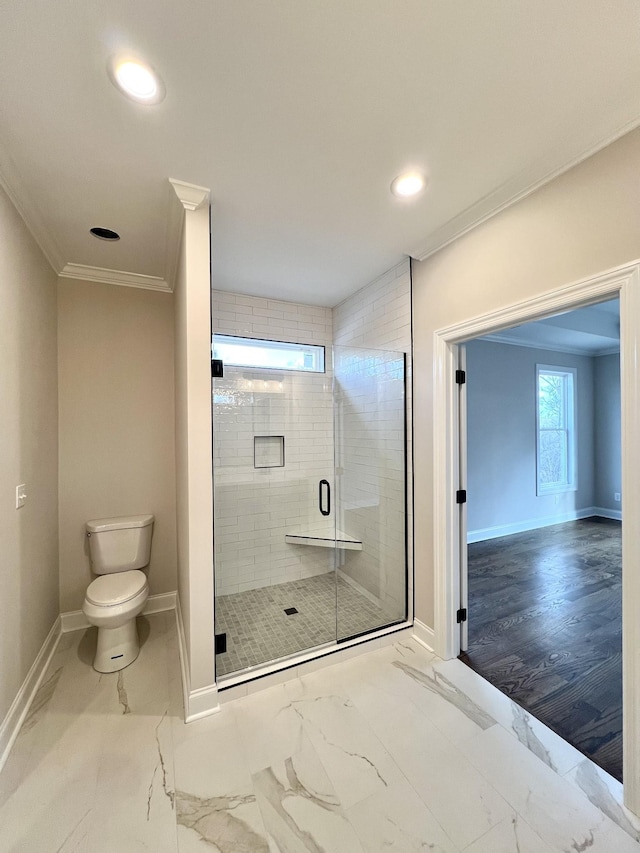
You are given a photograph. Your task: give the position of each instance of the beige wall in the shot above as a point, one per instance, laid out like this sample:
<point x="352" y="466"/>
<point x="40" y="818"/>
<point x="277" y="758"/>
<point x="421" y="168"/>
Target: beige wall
<point x="115" y="361"/>
<point x="28" y="452"/>
<point x="582" y="223"/>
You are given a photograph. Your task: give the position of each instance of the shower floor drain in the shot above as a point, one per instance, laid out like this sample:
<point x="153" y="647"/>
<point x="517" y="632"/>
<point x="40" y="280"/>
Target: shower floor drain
<point x="290" y="611"/>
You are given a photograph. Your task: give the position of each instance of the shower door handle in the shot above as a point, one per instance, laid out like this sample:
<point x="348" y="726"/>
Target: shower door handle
<point x="324" y="511"/>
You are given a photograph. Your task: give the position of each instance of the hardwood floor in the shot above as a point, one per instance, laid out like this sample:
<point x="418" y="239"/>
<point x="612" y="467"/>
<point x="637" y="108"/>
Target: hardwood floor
<point x="545" y="627"/>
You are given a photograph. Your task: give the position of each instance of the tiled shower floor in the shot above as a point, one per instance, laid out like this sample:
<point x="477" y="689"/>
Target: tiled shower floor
<point x="258" y="630"/>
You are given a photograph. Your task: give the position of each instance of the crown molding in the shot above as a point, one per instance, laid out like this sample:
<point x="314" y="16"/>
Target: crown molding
<point x="512" y="191"/>
<point x="173" y="235"/>
<point x="12" y="183"/>
<point x="575" y="350"/>
<point x="124" y="279"/>
<point x="191" y="196"/>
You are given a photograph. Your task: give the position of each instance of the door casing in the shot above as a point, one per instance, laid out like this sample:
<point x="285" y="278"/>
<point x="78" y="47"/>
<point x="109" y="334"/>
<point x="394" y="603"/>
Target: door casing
<point x="449" y="524"/>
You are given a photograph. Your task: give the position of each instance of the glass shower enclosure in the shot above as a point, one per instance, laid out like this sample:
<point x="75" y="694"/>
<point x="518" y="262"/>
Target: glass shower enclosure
<point x="309" y="499"/>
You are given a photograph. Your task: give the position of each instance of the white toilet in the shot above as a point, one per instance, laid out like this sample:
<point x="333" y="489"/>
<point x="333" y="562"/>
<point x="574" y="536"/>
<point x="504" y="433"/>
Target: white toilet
<point x="119" y="547"/>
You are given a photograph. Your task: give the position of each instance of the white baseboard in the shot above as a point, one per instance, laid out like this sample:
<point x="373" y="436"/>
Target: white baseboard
<point x="75" y="620"/>
<point x="20" y="707"/>
<point x="535" y="523"/>
<point x="202" y="703"/>
<point x="160" y="602"/>
<point x="424" y="635"/>
<point x="603" y="512"/>
<point x="197" y="703"/>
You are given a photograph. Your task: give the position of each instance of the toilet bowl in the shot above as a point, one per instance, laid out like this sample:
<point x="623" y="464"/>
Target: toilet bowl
<point x="119" y="548"/>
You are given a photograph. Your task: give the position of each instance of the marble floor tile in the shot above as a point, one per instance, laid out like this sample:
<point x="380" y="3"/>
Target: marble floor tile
<point x="606" y="793"/>
<point x="355" y="760"/>
<point x="53" y="799"/>
<point x="435" y="767"/>
<point x="135" y="782"/>
<point x="393" y="750"/>
<point x="215" y="801"/>
<point x="553" y="808"/>
<point x="546" y="744"/>
<point x="231" y="824"/>
<point x="270" y="730"/>
<point x="511" y="836"/>
<point x="300" y="809"/>
<point x="396" y="819"/>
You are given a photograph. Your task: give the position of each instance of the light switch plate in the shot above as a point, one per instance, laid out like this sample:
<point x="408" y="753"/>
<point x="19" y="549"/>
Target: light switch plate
<point x="21" y="495"/>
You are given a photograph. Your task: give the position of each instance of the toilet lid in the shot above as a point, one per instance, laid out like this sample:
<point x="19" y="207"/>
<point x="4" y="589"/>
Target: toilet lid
<point x="116" y="588"/>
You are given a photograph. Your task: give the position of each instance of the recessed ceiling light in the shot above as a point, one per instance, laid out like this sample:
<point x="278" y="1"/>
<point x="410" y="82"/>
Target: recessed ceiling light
<point x="105" y="234"/>
<point x="137" y="80"/>
<point x="411" y="183"/>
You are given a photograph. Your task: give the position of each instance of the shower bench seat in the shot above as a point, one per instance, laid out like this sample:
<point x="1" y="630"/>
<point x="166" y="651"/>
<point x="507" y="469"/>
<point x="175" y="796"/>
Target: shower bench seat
<point x="324" y="538"/>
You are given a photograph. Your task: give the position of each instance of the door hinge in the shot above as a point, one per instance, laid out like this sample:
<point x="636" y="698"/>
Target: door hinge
<point x="461" y="377"/>
<point x="220" y="646"/>
<point x="461" y="496"/>
<point x="461" y="615"/>
<point x="217" y="368"/>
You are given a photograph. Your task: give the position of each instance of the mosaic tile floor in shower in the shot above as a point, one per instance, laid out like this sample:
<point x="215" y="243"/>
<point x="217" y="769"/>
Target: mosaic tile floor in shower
<point x="258" y="629"/>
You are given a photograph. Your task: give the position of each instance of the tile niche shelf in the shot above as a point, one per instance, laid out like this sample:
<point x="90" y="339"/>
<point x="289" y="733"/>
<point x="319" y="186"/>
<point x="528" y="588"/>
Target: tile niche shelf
<point x="323" y="537"/>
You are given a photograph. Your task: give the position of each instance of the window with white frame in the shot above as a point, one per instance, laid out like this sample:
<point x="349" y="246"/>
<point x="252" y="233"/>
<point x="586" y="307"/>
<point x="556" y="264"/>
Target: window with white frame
<point x="556" y="429"/>
<point x="275" y="355"/>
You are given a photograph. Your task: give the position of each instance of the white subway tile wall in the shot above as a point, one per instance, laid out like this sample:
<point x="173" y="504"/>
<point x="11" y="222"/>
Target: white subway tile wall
<point x="372" y="476"/>
<point x="254" y="508"/>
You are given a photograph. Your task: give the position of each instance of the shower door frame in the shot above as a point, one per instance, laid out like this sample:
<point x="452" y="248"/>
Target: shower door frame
<point x="338" y="645"/>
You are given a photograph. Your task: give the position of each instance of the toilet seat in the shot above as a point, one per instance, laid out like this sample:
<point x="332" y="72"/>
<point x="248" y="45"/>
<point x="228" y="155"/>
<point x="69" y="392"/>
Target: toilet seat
<point x="117" y="588"/>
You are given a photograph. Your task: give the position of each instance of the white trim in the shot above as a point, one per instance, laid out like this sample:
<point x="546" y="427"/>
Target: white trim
<point x="520" y="186"/>
<point x="183" y="655"/>
<point x="518" y="342"/>
<point x="119" y="277"/>
<point x="625" y="282"/>
<point x="75" y="620"/>
<point x="197" y="703"/>
<point x="202" y="703"/>
<point x="446" y="536"/>
<point x="500" y="530"/>
<point x="191" y="196"/>
<point x="13" y="184"/>
<point x="19" y="709"/>
<point x="604" y="512"/>
<point x="160" y="602"/>
<point x="630" y="507"/>
<point x="173" y="235"/>
<point x="424" y="635"/>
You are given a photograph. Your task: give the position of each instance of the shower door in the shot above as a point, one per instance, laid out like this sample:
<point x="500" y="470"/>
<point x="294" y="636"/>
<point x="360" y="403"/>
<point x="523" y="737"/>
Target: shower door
<point x="370" y="453"/>
<point x="274" y="511"/>
<point x="309" y="505"/>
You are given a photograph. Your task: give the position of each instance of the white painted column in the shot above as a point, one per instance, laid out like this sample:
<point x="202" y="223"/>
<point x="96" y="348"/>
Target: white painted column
<point x="194" y="477"/>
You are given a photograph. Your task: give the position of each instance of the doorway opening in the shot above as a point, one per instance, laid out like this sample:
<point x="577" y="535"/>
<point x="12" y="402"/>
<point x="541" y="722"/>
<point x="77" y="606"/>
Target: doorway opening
<point x="543" y="522"/>
<point x="449" y="517"/>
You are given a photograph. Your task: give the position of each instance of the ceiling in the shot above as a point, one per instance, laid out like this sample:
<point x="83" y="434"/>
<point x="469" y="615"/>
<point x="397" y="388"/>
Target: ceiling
<point x="298" y="114"/>
<point x="591" y="331"/>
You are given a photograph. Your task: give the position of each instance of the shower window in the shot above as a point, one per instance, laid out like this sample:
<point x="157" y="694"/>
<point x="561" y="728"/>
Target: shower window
<point x="276" y="355"/>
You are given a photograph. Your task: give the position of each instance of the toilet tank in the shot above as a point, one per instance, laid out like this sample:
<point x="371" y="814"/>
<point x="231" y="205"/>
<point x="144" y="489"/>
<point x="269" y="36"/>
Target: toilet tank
<point x="120" y="544"/>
